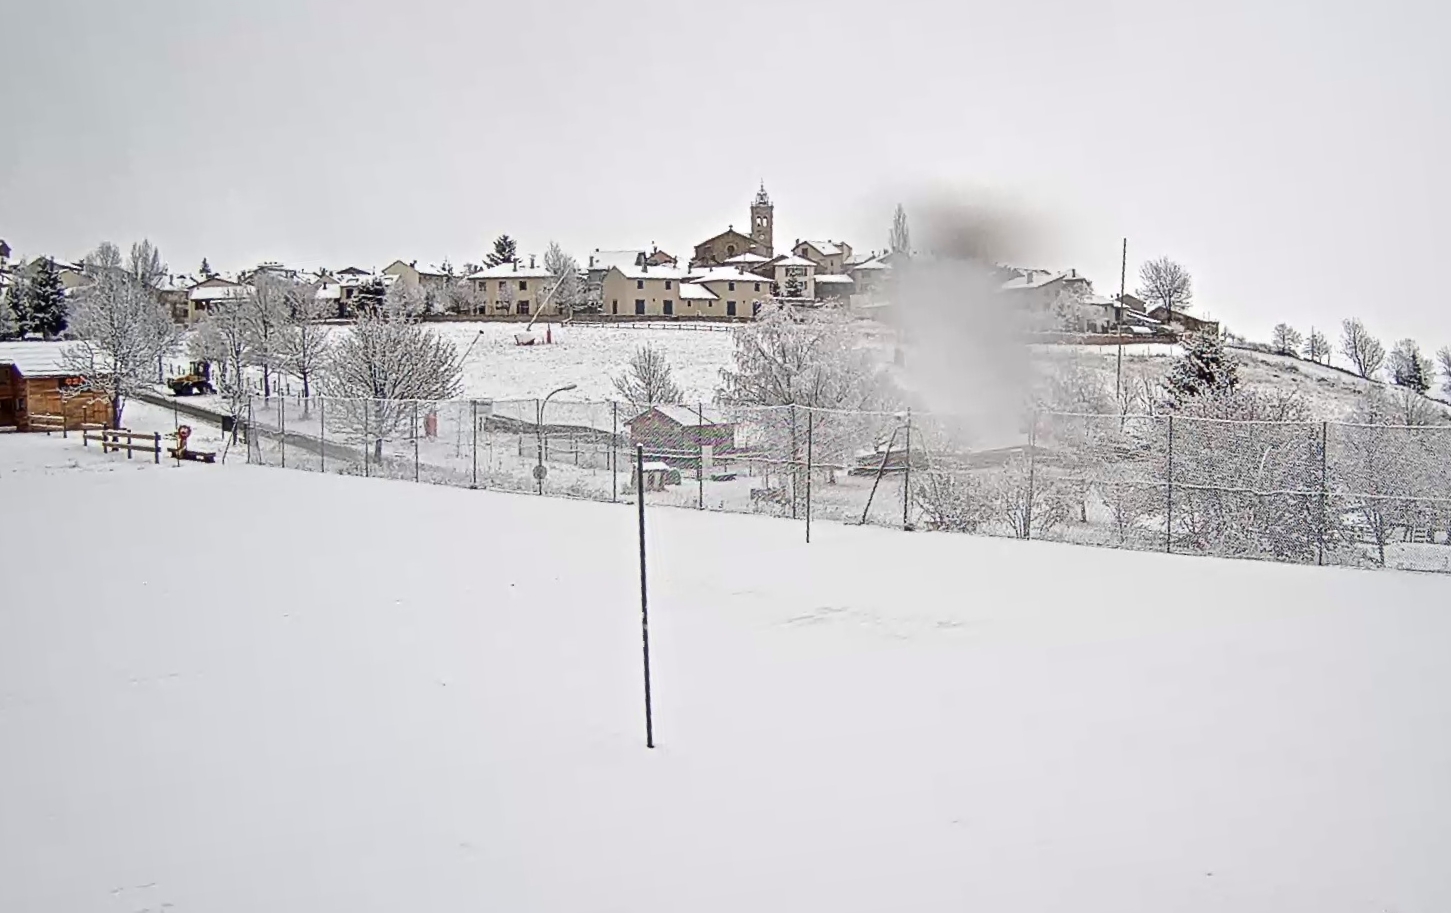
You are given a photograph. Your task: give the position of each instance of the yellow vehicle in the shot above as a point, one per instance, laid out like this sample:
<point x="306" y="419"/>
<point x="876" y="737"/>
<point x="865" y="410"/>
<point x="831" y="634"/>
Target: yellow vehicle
<point x="197" y="380"/>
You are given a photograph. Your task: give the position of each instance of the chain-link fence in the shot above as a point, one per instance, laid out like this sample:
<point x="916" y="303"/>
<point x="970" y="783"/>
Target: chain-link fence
<point x="1311" y="493"/>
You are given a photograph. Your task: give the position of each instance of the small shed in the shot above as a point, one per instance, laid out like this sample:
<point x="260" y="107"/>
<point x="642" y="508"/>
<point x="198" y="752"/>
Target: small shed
<point x="679" y="434"/>
<point x="34" y="380"/>
<point x="657" y="476"/>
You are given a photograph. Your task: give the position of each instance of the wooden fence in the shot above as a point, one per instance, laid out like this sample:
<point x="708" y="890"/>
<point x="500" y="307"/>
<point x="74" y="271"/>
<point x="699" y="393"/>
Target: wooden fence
<point x="121" y="439"/>
<point x="47" y="422"/>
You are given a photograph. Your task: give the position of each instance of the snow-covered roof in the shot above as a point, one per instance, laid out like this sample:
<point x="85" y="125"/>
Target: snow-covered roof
<point x="747" y="258"/>
<point x="217" y="289"/>
<point x="419" y="267"/>
<point x="872" y="264"/>
<point x="791" y="260"/>
<point x="686" y="417"/>
<point x="826" y="248"/>
<point x="726" y="274"/>
<point x="691" y="291"/>
<point x="834" y="279"/>
<point x="328" y="291"/>
<point x="1032" y="279"/>
<point x="604" y="259"/>
<point x="36" y="359"/>
<point x="656" y="466"/>
<point x="631" y="271"/>
<point x="514" y="270"/>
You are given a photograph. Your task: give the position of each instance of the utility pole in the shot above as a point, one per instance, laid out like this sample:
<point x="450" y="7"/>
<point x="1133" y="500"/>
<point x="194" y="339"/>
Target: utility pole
<point x="1123" y="268"/>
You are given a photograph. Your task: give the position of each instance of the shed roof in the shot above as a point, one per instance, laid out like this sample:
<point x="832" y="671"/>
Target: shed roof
<point x="685" y="416"/>
<point x="36" y="359"/>
<point x="691" y="291"/>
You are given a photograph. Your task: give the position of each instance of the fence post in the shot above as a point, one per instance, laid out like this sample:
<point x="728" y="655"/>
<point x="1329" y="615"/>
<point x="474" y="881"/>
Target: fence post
<point x="474" y="421"/>
<point x="282" y="426"/>
<point x="810" y="441"/>
<point x="156" y="443"/>
<point x="1032" y="475"/>
<point x="614" y="451"/>
<point x="906" y="476"/>
<point x="644" y="593"/>
<point x="795" y="470"/>
<point x="322" y="430"/>
<point x="248" y="434"/>
<point x="367" y="438"/>
<point x="700" y="455"/>
<point x="1324" y="491"/>
<point x="1169" y="508"/>
<point x="415" y="440"/>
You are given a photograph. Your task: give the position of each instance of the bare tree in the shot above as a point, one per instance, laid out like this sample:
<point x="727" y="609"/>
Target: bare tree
<point x="1317" y="347"/>
<point x="1286" y="340"/>
<point x="382" y="368"/>
<point x="1167" y="283"/>
<point x="304" y="346"/>
<point x="145" y="266"/>
<point x="268" y="313"/>
<point x="1411" y="369"/>
<point x="224" y="338"/>
<point x="901" y="237"/>
<point x="1365" y="352"/>
<point x="1443" y="358"/>
<point x="121" y="330"/>
<point x="647" y="381"/>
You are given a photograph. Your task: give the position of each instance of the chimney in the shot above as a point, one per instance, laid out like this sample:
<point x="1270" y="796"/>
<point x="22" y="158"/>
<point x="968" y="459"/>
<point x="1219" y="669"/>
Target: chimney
<point x="645" y="266"/>
<point x="592" y="260"/>
<point x="515" y="261"/>
<point x="531" y="261"/>
<point x="1073" y="273"/>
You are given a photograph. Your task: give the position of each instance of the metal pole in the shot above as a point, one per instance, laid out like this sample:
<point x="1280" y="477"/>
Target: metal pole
<point x="1324" y="490"/>
<point x="1118" y="380"/>
<point x="1169" y="513"/>
<point x="539" y="444"/>
<point x="795" y="470"/>
<point x="474" y="417"/>
<point x="700" y="455"/>
<point x="1032" y="473"/>
<point x="614" y="451"/>
<point x="282" y="426"/>
<point x="907" y="476"/>
<point x="810" y="436"/>
<point x="322" y="432"/>
<point x="415" y="440"/>
<point x="644" y="593"/>
<point x="249" y="431"/>
<point x="367" y="438"/>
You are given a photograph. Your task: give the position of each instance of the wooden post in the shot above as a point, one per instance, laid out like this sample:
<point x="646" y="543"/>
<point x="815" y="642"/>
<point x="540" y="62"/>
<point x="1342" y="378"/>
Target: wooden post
<point x="156" y="442"/>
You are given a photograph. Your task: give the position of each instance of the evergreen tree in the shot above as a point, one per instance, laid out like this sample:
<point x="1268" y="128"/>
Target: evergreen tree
<point x="206" y="269"/>
<point x="1411" y="369"/>
<point x="901" y="236"/>
<point x="10" y="310"/>
<point x="45" y="302"/>
<point x="1205" y="368"/>
<point x="505" y="251"/>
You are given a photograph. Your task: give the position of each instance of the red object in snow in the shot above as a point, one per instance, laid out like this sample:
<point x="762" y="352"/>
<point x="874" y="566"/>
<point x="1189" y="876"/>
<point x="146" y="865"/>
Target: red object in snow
<point x="430" y="424"/>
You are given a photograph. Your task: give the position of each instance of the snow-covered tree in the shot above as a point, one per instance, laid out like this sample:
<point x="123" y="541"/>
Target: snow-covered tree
<point x="646" y="381"/>
<point x="224" y="338"/>
<point x="1286" y="340"/>
<point x="304" y="345"/>
<point x="1167" y="283"/>
<point x="460" y="297"/>
<point x="505" y="251"/>
<point x="381" y="369"/>
<point x="145" y="266"/>
<point x="1204" y="368"/>
<point x="45" y="301"/>
<point x="268" y="314"/>
<point x="1411" y="369"/>
<point x="1365" y="352"/>
<point x="794" y="288"/>
<point x="1317" y="347"/>
<point x="12" y="305"/>
<point x="901" y="237"/>
<point x="121" y="330"/>
<point x="565" y="287"/>
<point x="405" y="300"/>
<point x="1443" y="359"/>
<point x="206" y="271"/>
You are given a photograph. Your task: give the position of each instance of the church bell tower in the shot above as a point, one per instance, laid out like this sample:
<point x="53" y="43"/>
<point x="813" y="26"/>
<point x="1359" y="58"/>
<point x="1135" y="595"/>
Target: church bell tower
<point x="763" y="223"/>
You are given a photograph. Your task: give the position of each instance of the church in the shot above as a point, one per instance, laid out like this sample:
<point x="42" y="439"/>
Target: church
<point x="730" y="243"/>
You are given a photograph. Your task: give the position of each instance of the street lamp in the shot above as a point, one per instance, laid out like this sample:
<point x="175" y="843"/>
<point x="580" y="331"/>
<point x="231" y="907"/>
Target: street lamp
<point x="539" y="425"/>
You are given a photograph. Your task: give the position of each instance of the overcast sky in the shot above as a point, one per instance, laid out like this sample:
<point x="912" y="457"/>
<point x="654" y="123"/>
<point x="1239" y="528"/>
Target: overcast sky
<point x="1292" y="154"/>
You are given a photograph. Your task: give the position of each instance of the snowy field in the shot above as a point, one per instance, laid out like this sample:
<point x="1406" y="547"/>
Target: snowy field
<point x="368" y="695"/>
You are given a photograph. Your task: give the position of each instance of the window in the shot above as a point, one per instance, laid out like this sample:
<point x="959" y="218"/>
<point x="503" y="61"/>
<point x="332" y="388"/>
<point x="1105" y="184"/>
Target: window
<point x="639" y="305"/>
<point x="639" y="283"/>
<point x="615" y="306"/>
<point x="503" y="285"/>
<point x="730" y="286"/>
<point x="730" y="250"/>
<point x="758" y="286"/>
<point x="668" y="285"/>
<point x="524" y="306"/>
<point x="669" y="307"/>
<point x="755" y="308"/>
<point x="730" y="309"/>
<point x="523" y="285"/>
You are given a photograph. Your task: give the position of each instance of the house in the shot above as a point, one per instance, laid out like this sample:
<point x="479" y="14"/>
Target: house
<point x="870" y="275"/>
<point x="414" y="274"/>
<point x="4" y="252"/>
<point x="271" y="268"/>
<point x="202" y="296"/>
<point x="522" y="289"/>
<point x="1036" y="290"/>
<point x="1187" y="323"/>
<point x="598" y="265"/>
<point x="830" y="257"/>
<point x="72" y="275"/>
<point x="739" y="293"/>
<point x="681" y="435"/>
<point x="727" y="245"/>
<point x="173" y="294"/>
<point x="794" y="277"/>
<point x="643" y="290"/>
<point x="34" y="380"/>
<point x="834" y="287"/>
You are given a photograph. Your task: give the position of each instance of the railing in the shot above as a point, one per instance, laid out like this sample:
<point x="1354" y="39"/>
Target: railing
<point x="1302" y="492"/>
<point x="116" y="440"/>
<point x="47" y="422"/>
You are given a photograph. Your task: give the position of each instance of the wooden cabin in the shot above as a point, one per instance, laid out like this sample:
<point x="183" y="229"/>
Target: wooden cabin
<point x="34" y="381"/>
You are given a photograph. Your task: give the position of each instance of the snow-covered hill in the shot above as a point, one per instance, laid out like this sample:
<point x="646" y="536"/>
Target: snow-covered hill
<point x="240" y="689"/>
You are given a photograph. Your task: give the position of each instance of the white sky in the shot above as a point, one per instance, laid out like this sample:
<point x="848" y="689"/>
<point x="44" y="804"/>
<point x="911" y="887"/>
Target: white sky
<point x="1291" y="154"/>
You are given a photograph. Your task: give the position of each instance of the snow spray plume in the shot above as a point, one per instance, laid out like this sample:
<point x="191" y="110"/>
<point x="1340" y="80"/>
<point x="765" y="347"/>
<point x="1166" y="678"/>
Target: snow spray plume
<point x="967" y="352"/>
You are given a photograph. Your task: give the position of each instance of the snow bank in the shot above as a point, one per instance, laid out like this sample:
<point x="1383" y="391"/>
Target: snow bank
<point x="364" y="695"/>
